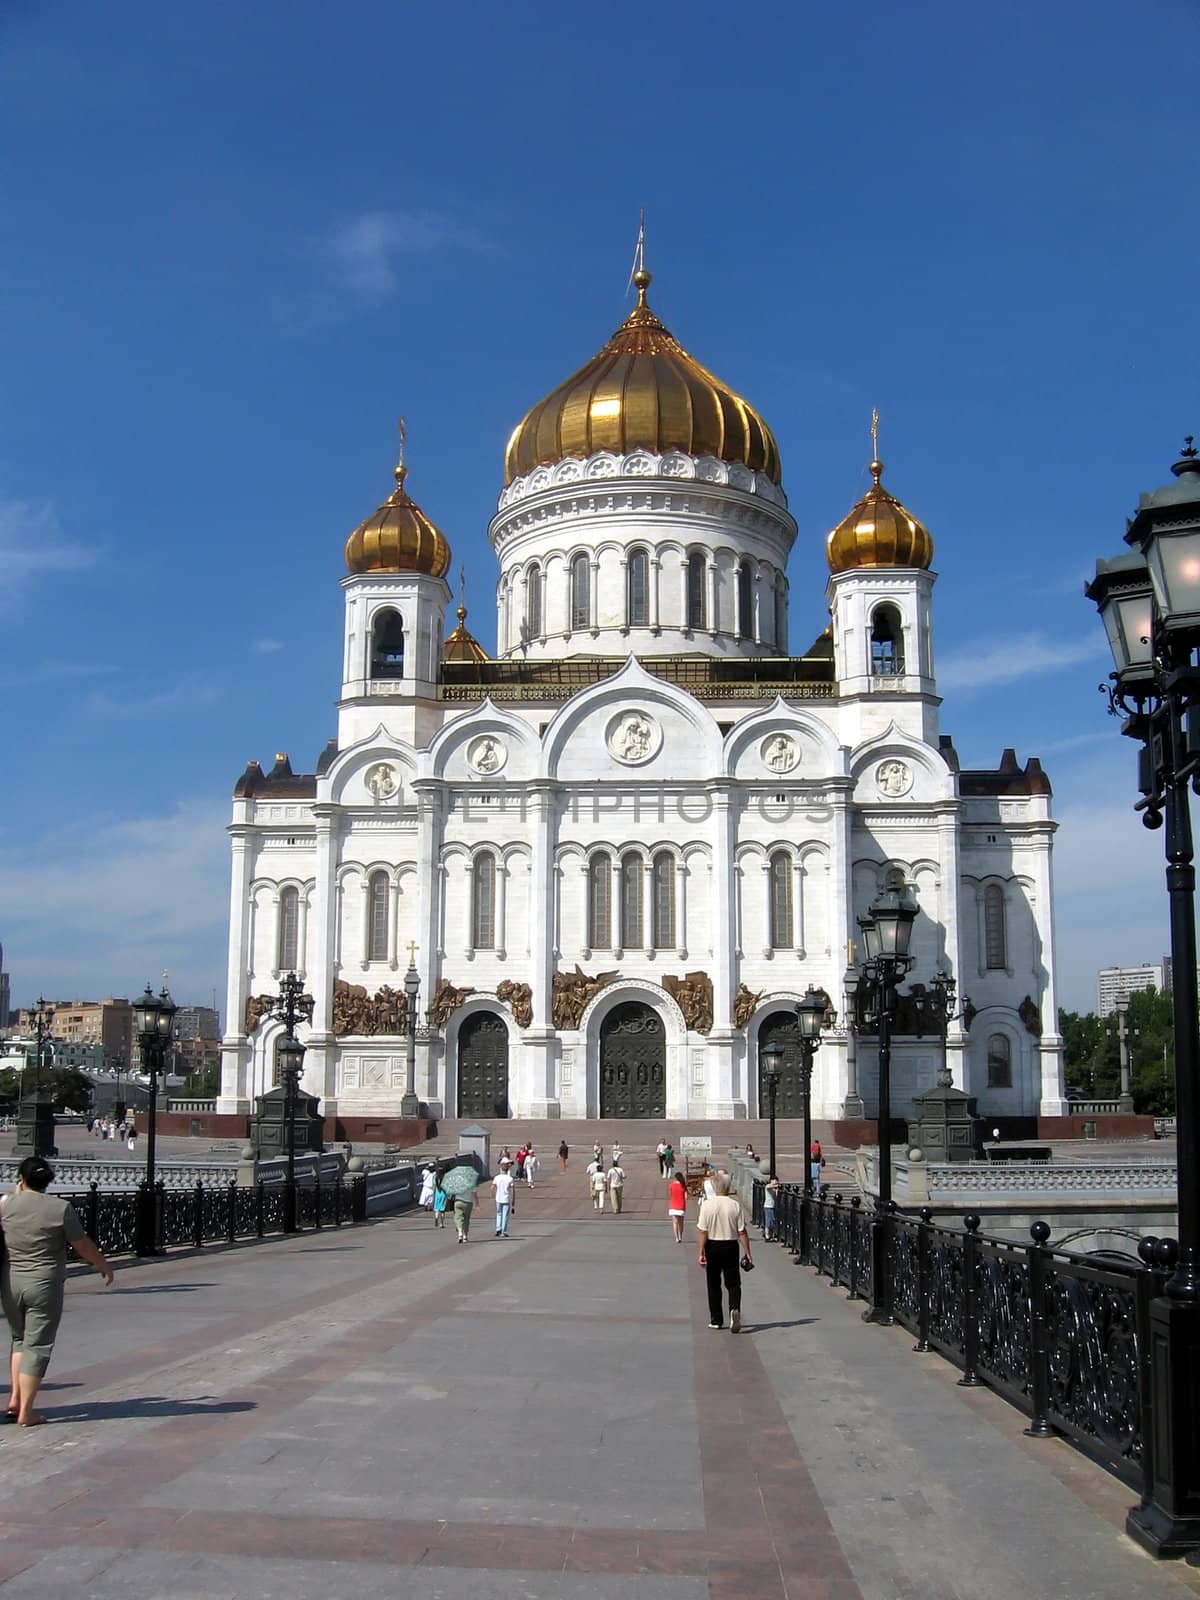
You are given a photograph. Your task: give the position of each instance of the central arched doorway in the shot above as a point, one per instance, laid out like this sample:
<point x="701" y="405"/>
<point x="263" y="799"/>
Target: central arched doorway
<point x="633" y="1062"/>
<point x="781" y="1028"/>
<point x="483" y="1066"/>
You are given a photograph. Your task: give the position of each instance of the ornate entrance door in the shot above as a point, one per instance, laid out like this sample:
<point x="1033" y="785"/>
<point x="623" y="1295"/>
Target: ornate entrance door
<point x="633" y="1063"/>
<point x="483" y="1067"/>
<point x="781" y="1029"/>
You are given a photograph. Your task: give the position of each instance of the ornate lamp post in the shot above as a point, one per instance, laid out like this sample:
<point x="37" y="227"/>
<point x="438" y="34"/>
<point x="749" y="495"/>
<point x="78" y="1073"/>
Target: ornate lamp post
<point x="153" y="1020"/>
<point x="410" y="1106"/>
<point x="772" y="1062"/>
<point x="1149" y="601"/>
<point x="292" y="1006"/>
<point x="810" y="1014"/>
<point x="1125" y="1098"/>
<point x="35" y="1135"/>
<point x="887" y="933"/>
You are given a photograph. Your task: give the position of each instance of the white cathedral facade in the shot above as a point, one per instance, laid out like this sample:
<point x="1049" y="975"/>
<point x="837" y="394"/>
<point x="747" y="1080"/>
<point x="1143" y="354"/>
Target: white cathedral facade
<point x="619" y="852"/>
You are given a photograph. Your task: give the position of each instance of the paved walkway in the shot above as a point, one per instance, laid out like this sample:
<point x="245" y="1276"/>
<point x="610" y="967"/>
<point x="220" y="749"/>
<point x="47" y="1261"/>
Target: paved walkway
<point x="380" y="1411"/>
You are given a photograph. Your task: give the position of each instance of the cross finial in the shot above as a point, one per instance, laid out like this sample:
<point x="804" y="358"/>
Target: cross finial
<point x="412" y="952"/>
<point x="401" y="470"/>
<point x="876" y="464"/>
<point x="849" y="952"/>
<point x="638" y="275"/>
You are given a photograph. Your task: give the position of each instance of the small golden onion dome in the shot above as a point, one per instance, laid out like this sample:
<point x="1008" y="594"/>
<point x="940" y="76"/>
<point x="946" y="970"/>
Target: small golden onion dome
<point x="642" y="390"/>
<point x="398" y="537"/>
<point x="879" y="532"/>
<point x="462" y="645"/>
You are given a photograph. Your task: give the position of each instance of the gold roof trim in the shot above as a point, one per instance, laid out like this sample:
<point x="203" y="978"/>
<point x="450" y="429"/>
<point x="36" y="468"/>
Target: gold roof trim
<point x="642" y="390"/>
<point x="462" y="645"/>
<point x="878" y="531"/>
<point x="398" y="536"/>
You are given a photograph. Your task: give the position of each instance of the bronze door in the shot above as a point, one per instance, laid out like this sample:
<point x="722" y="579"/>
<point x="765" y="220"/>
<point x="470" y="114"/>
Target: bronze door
<point x="782" y="1029"/>
<point x="483" y="1067"/>
<point x="633" y="1063"/>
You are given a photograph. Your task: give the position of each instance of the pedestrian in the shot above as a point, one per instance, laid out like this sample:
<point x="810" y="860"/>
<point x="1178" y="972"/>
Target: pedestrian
<point x="706" y="1188"/>
<point x="563" y="1153"/>
<point x="597" y="1151"/>
<point x="464" y="1204"/>
<point x="660" y="1150"/>
<point x="502" y="1188"/>
<point x="816" y="1160"/>
<point x="589" y="1172"/>
<point x="599" y="1185"/>
<point x="37" y="1229"/>
<point x="440" y="1198"/>
<point x="428" y="1184"/>
<point x="668" y="1161"/>
<point x="532" y="1163"/>
<point x="769" y="1193"/>
<point x="677" y="1206"/>
<point x="617" y="1153"/>
<point x="131" y="1142"/>
<point x="520" y="1162"/>
<point x="616" y="1186"/>
<point x="720" y="1230"/>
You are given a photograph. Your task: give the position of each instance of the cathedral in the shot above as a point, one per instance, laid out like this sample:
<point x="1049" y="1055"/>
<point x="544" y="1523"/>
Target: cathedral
<point x="614" y="855"/>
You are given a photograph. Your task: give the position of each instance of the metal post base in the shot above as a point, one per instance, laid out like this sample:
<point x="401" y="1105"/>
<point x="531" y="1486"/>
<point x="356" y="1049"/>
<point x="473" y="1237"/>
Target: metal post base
<point x="1168" y="1523"/>
<point x="410" y="1106"/>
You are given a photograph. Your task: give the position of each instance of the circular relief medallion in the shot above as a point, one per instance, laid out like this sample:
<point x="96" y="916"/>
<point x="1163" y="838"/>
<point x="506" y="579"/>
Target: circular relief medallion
<point x="894" y="778"/>
<point x="381" y="781"/>
<point x="487" y="754"/>
<point x="633" y="737"/>
<point x="780" y="753"/>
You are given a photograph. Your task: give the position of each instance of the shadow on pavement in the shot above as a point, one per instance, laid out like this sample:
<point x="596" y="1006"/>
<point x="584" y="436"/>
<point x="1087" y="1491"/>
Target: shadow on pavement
<point x="161" y="1288"/>
<point x="151" y="1408"/>
<point x="765" y="1327"/>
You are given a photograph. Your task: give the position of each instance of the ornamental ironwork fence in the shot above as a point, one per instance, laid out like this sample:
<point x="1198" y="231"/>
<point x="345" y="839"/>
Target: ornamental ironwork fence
<point x="1064" y="1337"/>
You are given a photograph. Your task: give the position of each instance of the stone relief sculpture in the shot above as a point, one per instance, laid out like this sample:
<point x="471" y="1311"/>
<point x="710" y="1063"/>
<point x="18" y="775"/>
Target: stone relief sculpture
<point x="744" y="1003"/>
<point x="572" y="992"/>
<point x="519" y="997"/>
<point x="894" y="778"/>
<point x="446" y="1001"/>
<point x="693" y="994"/>
<point x="257" y="1006"/>
<point x="633" y="737"/>
<point x="1030" y="1016"/>
<point x="355" y="1011"/>
<point x="779" y="753"/>
<point x="381" y="780"/>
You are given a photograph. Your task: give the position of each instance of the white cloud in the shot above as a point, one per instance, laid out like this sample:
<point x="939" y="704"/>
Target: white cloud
<point x="100" y="905"/>
<point x="1022" y="656"/>
<point x="53" y="672"/>
<point x="188" y="693"/>
<point x="268" y="647"/>
<point x="32" y="546"/>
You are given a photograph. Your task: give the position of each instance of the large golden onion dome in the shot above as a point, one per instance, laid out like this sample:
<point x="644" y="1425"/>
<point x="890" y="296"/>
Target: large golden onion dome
<point x="879" y="532"/>
<point x="642" y="390"/>
<point x="398" y="537"/>
<point x="462" y="645"/>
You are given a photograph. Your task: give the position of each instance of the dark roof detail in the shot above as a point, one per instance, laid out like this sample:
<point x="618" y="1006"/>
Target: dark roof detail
<point x="1008" y="779"/>
<point x="948" y="753"/>
<point x="327" y="757"/>
<point x="281" y="783"/>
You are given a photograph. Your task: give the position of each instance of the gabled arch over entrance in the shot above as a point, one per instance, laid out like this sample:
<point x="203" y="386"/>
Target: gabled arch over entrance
<point x="483" y="1066"/>
<point x="633" y="1062"/>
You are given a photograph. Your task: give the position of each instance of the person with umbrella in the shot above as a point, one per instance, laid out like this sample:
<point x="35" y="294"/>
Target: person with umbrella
<point x="460" y="1183"/>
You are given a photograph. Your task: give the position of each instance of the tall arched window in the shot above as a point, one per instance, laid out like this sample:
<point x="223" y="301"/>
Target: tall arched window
<point x="995" y="941"/>
<point x="387" y="645"/>
<point x="600" y="902"/>
<point x="887" y="643"/>
<point x="377" y="917"/>
<point x="483" y="902"/>
<point x="780" y="877"/>
<point x="288" y="953"/>
<point x="697" y="567"/>
<point x="581" y="587"/>
<point x="533" y="602"/>
<point x="631" y="903"/>
<point x="745" y="601"/>
<point x="663" y="908"/>
<point x="637" y="582"/>
<point x="999" y="1062"/>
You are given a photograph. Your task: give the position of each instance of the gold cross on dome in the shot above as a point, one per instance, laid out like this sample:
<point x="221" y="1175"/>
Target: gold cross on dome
<point x="874" y="433"/>
<point x="849" y="952"/>
<point x="412" y="952"/>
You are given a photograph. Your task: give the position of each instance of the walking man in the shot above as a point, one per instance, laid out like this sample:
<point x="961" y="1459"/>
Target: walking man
<point x="563" y="1153"/>
<point x="502" y="1188"/>
<point x="720" y="1230"/>
<point x="660" y="1150"/>
<point x="599" y="1185"/>
<point x="532" y="1163"/>
<point x="616" y="1185"/>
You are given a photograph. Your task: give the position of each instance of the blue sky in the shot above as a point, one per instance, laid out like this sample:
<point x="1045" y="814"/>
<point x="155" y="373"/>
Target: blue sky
<point x="236" y="241"/>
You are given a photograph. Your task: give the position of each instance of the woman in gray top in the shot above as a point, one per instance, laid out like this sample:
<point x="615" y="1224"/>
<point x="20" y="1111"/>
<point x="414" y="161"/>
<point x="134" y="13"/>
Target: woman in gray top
<point x="37" y="1229"/>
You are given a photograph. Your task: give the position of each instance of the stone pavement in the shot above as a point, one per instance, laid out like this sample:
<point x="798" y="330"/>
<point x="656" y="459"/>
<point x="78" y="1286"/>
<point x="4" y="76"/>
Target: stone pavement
<point x="380" y="1411"/>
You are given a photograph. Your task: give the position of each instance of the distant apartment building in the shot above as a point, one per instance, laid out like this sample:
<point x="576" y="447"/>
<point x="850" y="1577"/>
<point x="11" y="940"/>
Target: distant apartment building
<point x="108" y="1023"/>
<point x="1118" y="983"/>
<point x="197" y="1022"/>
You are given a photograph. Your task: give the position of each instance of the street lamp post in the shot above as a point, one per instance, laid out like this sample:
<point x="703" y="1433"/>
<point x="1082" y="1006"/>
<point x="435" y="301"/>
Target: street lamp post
<point x="410" y="1106"/>
<point x="772" y="1061"/>
<point x="292" y="1006"/>
<point x="41" y="1130"/>
<point x="153" y="1020"/>
<point x="810" y="1014"/>
<point x="1149" y="601"/>
<point x="1125" y="1098"/>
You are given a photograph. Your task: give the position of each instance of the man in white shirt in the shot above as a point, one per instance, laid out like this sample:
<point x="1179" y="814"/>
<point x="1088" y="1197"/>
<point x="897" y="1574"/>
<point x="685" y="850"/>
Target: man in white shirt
<point x="599" y="1185"/>
<point x="502" y="1189"/>
<point x="616" y="1185"/>
<point x="660" y="1150"/>
<point x="720" y="1230"/>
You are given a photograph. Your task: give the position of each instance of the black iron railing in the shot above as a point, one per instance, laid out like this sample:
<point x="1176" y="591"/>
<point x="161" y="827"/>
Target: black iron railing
<point x="1064" y="1337"/>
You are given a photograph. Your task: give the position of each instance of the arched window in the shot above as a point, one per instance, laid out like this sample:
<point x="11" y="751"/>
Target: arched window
<point x="600" y="903"/>
<point x="995" y="943"/>
<point x="887" y="643"/>
<point x="288" y="952"/>
<point x="631" y="903"/>
<point x="483" y="902"/>
<point x="781" y="639"/>
<point x="999" y="1062"/>
<point x="581" y="585"/>
<point x="780" y="875"/>
<point x="377" y="917"/>
<point x="637" y="582"/>
<point x="533" y="602"/>
<point x="697" y="567"/>
<point x="745" y="601"/>
<point x="387" y="645"/>
<point x="663" y="931"/>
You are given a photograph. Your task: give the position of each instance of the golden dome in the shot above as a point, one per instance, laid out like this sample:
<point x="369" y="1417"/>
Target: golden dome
<point x="462" y="645"/>
<point x="642" y="390"/>
<point x="879" y="532"/>
<point x="398" y="537"/>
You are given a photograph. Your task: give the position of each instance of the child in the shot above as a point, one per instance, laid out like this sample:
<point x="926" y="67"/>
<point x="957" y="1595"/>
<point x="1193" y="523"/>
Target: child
<point x="439" y="1204"/>
<point x="768" y="1216"/>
